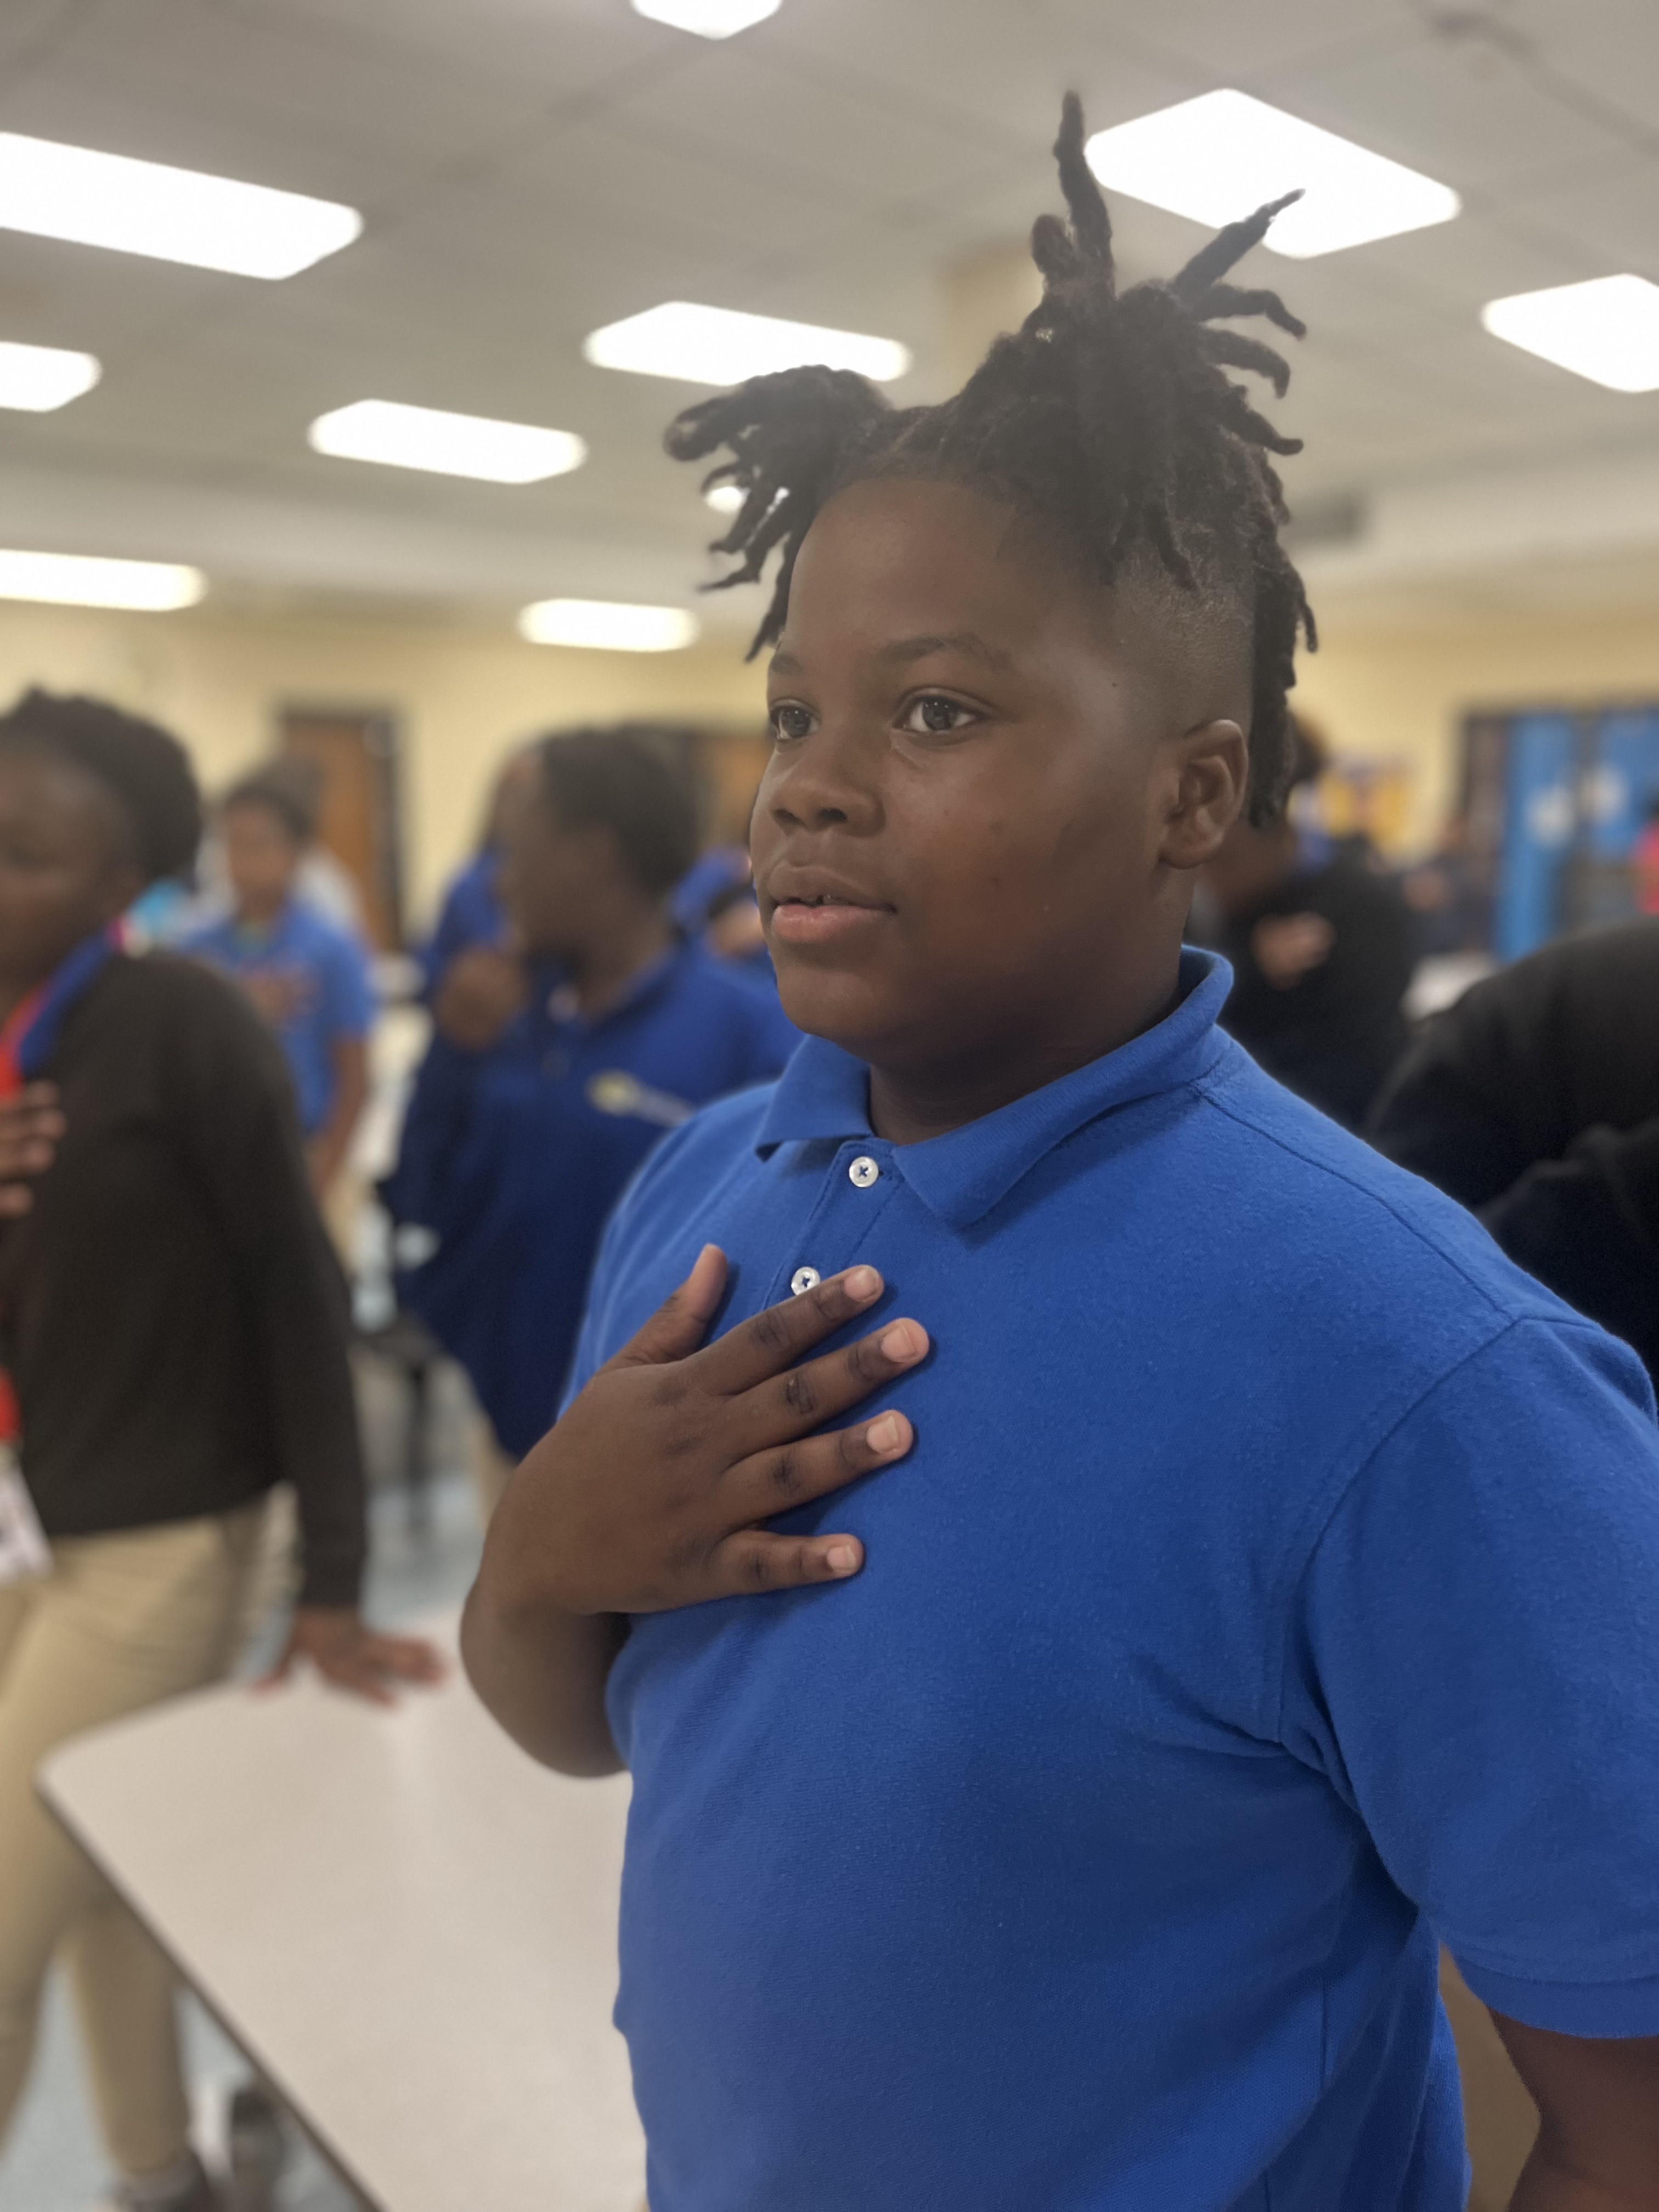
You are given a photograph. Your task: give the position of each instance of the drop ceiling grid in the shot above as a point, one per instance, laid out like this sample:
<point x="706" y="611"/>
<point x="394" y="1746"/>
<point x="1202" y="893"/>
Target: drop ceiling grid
<point x="530" y="168"/>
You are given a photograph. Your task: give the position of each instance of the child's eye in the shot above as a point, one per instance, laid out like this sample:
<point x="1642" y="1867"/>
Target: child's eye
<point x="934" y="715"/>
<point x="790" y="721"/>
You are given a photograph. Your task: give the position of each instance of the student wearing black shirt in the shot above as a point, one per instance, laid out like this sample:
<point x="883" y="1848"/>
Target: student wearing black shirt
<point x="1322" y="946"/>
<point x="1536" y="1101"/>
<point x="174" y="1326"/>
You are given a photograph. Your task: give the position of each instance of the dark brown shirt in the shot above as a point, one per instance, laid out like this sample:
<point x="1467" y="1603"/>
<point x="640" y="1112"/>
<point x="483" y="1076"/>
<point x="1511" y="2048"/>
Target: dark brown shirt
<point x="171" y="1312"/>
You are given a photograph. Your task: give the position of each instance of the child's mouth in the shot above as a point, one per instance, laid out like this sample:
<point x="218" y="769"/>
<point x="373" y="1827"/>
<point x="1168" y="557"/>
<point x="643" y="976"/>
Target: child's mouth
<point x="821" y="920"/>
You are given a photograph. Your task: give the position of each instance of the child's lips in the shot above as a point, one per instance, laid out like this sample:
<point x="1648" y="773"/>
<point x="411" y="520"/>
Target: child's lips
<point x="796" y="922"/>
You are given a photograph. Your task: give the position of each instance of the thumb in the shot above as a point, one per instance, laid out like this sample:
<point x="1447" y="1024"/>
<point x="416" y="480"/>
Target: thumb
<point x="681" y="1321"/>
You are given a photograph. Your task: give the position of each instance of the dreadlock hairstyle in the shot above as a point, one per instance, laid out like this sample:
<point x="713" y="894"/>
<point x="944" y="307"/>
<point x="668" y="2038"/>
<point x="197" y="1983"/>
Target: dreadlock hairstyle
<point x="1108" y="415"/>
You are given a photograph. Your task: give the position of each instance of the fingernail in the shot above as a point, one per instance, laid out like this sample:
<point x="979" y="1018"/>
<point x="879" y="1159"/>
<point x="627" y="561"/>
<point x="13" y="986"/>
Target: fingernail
<point x="901" y="1341"/>
<point x="883" y="1436"/>
<point x="863" y="1283"/>
<point x="841" y="1558"/>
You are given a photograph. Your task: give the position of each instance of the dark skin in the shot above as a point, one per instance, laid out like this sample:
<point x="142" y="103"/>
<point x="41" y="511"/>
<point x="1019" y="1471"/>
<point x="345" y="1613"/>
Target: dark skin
<point x="1004" y="781"/>
<point x="574" y="901"/>
<point x="67" y="871"/>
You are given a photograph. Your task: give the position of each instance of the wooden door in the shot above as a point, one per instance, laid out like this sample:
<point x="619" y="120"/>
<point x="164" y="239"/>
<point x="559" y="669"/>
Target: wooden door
<point x="356" y="753"/>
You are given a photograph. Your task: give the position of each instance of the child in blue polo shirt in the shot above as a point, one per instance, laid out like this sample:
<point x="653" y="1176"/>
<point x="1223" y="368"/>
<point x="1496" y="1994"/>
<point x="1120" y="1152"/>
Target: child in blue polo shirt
<point x="306" y="976"/>
<point x="472" y="912"/>
<point x="534" y="1106"/>
<point x="1049" y="1788"/>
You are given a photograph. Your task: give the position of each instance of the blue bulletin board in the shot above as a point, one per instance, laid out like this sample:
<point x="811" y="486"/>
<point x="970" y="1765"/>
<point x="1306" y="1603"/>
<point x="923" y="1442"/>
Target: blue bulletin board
<point x="1555" y="799"/>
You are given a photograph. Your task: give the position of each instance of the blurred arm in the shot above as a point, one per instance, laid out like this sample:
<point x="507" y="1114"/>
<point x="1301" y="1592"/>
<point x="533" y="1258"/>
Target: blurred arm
<point x="1598" y="2101"/>
<point x="333" y="1140"/>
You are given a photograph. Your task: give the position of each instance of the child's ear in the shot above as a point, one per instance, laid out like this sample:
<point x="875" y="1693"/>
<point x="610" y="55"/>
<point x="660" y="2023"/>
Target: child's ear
<point x="1210" y="767"/>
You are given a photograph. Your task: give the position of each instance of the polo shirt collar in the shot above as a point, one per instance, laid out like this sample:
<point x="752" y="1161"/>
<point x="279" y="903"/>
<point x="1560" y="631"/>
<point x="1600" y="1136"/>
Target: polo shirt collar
<point x="824" y="1093"/>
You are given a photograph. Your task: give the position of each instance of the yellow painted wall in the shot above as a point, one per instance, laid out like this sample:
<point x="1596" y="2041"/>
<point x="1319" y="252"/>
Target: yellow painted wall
<point x="464" y="695"/>
<point x="1401" y="692"/>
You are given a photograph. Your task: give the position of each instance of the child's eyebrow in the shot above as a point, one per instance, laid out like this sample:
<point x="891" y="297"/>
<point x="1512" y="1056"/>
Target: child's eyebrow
<point x="961" y="640"/>
<point x="906" y="649"/>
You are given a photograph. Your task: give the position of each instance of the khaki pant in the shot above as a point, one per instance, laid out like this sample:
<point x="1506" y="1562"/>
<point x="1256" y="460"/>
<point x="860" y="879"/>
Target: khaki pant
<point x="122" y="1622"/>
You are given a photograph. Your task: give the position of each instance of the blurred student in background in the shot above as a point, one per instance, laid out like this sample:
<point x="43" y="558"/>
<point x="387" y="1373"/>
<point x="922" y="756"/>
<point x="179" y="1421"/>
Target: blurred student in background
<point x="530" y="1112"/>
<point x="1322" y="947"/>
<point x="1536" y="1101"/>
<point x="1446" y="895"/>
<point x="307" y="975"/>
<point x="714" y="902"/>
<point x="472" y="912"/>
<point x="1644" y="863"/>
<point x="174" y="1338"/>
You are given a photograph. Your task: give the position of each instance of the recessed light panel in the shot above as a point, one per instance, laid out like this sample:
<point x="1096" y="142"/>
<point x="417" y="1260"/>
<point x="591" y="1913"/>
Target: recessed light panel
<point x="171" y="215"/>
<point x="1217" y="157"/>
<point x="448" y="445"/>
<point x="72" y="580"/>
<point x="1607" y="329"/>
<point x="608" y="626"/>
<point x="38" y="379"/>
<point x="709" y="19"/>
<point x="716" y="345"/>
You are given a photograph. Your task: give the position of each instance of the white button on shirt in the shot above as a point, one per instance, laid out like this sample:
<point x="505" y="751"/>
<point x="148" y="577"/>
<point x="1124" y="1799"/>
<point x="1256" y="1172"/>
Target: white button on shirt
<point x="864" y="1171"/>
<point x="805" y="1279"/>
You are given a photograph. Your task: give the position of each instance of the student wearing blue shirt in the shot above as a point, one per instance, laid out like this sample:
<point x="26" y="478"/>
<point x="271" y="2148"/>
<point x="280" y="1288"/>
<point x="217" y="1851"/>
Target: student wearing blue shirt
<point x="471" y="912"/>
<point x="533" y="1108"/>
<point x="306" y="976"/>
<point x="1049" y="1785"/>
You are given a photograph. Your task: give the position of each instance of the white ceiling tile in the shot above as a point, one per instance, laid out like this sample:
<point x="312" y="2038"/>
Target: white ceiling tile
<point x="1611" y="213"/>
<point x="1245" y="44"/>
<point x="1607" y="48"/>
<point x="1469" y="120"/>
<point x="531" y="168"/>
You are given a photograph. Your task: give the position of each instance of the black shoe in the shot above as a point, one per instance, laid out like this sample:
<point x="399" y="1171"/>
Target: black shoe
<point x="258" y="2150"/>
<point x="195" y="2193"/>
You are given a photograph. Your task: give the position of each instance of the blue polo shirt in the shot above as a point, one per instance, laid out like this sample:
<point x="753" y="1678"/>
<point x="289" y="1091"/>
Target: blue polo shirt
<point x="1271" y="1591"/>
<point x="331" y="995"/>
<point x="471" y="913"/>
<point x="511" y="1158"/>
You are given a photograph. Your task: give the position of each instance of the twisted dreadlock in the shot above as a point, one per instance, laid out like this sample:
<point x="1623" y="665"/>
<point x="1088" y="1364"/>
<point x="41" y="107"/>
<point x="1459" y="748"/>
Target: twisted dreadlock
<point x="1109" y="415"/>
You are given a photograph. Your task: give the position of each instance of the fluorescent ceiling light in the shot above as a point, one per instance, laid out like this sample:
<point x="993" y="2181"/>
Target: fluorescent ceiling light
<point x="171" y="215"/>
<point x="715" y="345"/>
<point x="1606" y="329"/>
<point x="71" y="580"/>
<point x="608" y="626"/>
<point x="725" y="498"/>
<point x="449" y="444"/>
<point x="709" y="19"/>
<point x="1219" y="156"/>
<point x="40" y="378"/>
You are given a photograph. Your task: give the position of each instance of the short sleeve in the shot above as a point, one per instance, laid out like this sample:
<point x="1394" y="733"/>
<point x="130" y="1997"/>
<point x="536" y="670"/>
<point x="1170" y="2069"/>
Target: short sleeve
<point x="1474" y="1663"/>
<point x="348" y="997"/>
